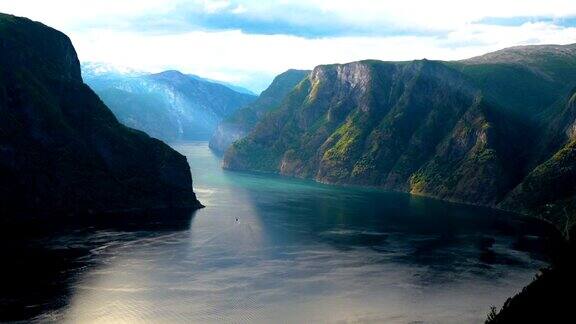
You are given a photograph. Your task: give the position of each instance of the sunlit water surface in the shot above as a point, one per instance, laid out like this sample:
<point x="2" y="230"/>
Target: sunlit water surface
<point x="306" y="252"/>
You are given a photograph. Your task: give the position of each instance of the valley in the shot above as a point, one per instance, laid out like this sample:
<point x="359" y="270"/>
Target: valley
<point x="370" y="191"/>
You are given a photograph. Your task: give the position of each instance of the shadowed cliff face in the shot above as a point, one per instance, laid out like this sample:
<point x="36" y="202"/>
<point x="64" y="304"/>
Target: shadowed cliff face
<point x="469" y="131"/>
<point x="239" y="124"/>
<point x="549" y="190"/>
<point x="61" y="149"/>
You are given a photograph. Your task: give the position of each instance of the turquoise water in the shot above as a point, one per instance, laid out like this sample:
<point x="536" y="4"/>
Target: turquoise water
<point x="270" y="249"/>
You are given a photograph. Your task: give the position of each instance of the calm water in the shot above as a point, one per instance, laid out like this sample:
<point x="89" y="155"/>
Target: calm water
<point x="303" y="252"/>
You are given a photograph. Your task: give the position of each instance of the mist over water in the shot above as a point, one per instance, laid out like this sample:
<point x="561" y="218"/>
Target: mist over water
<point x="267" y="249"/>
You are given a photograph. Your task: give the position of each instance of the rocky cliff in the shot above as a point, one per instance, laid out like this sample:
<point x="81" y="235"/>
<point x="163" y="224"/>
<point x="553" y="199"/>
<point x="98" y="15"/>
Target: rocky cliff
<point x="476" y="131"/>
<point x="61" y="149"/>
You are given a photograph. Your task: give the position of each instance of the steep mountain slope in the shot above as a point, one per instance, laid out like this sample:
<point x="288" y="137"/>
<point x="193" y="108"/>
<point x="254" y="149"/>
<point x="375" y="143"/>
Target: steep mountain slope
<point x="170" y="105"/>
<point x="530" y="83"/>
<point x="61" y="149"/>
<point x="468" y="131"/>
<point x="524" y="79"/>
<point x="549" y="191"/>
<point x="392" y="125"/>
<point x="242" y="121"/>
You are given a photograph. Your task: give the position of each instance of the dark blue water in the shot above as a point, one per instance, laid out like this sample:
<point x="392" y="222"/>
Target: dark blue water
<point x="305" y="252"/>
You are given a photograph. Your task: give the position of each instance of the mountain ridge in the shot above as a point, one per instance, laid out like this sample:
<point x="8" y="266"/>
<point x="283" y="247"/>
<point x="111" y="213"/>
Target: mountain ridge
<point x="169" y="105"/>
<point x="466" y="131"/>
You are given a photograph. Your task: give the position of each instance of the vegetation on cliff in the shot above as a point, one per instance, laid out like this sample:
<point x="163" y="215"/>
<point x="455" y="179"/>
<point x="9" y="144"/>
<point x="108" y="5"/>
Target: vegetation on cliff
<point x="480" y="131"/>
<point x="240" y="123"/>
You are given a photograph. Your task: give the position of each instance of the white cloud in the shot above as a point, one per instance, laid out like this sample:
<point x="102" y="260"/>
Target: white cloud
<point x="235" y="56"/>
<point x="239" y="9"/>
<point x="213" y="6"/>
<point x="70" y="14"/>
<point x="437" y="14"/>
<point x="246" y="58"/>
<point x="441" y="14"/>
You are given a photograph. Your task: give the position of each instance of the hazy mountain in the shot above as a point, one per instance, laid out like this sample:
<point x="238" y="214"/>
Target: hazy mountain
<point x="470" y="131"/>
<point x="226" y="84"/>
<point x="242" y="121"/>
<point x="61" y="149"/>
<point x="171" y="106"/>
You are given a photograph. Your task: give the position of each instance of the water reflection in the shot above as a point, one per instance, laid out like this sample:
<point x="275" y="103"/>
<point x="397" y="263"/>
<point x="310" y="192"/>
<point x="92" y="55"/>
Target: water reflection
<point x="44" y="258"/>
<point x="304" y="252"/>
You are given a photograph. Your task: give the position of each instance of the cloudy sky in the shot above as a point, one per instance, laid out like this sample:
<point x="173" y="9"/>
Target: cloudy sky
<point x="248" y="42"/>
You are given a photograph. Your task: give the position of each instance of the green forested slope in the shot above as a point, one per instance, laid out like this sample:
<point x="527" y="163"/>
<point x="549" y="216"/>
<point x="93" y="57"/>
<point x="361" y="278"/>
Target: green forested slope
<point x="478" y="131"/>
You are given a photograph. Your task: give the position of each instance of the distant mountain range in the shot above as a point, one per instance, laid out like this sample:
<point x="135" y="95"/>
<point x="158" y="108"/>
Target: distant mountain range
<point x="226" y="84"/>
<point x="170" y="105"/>
<point x="495" y="130"/>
